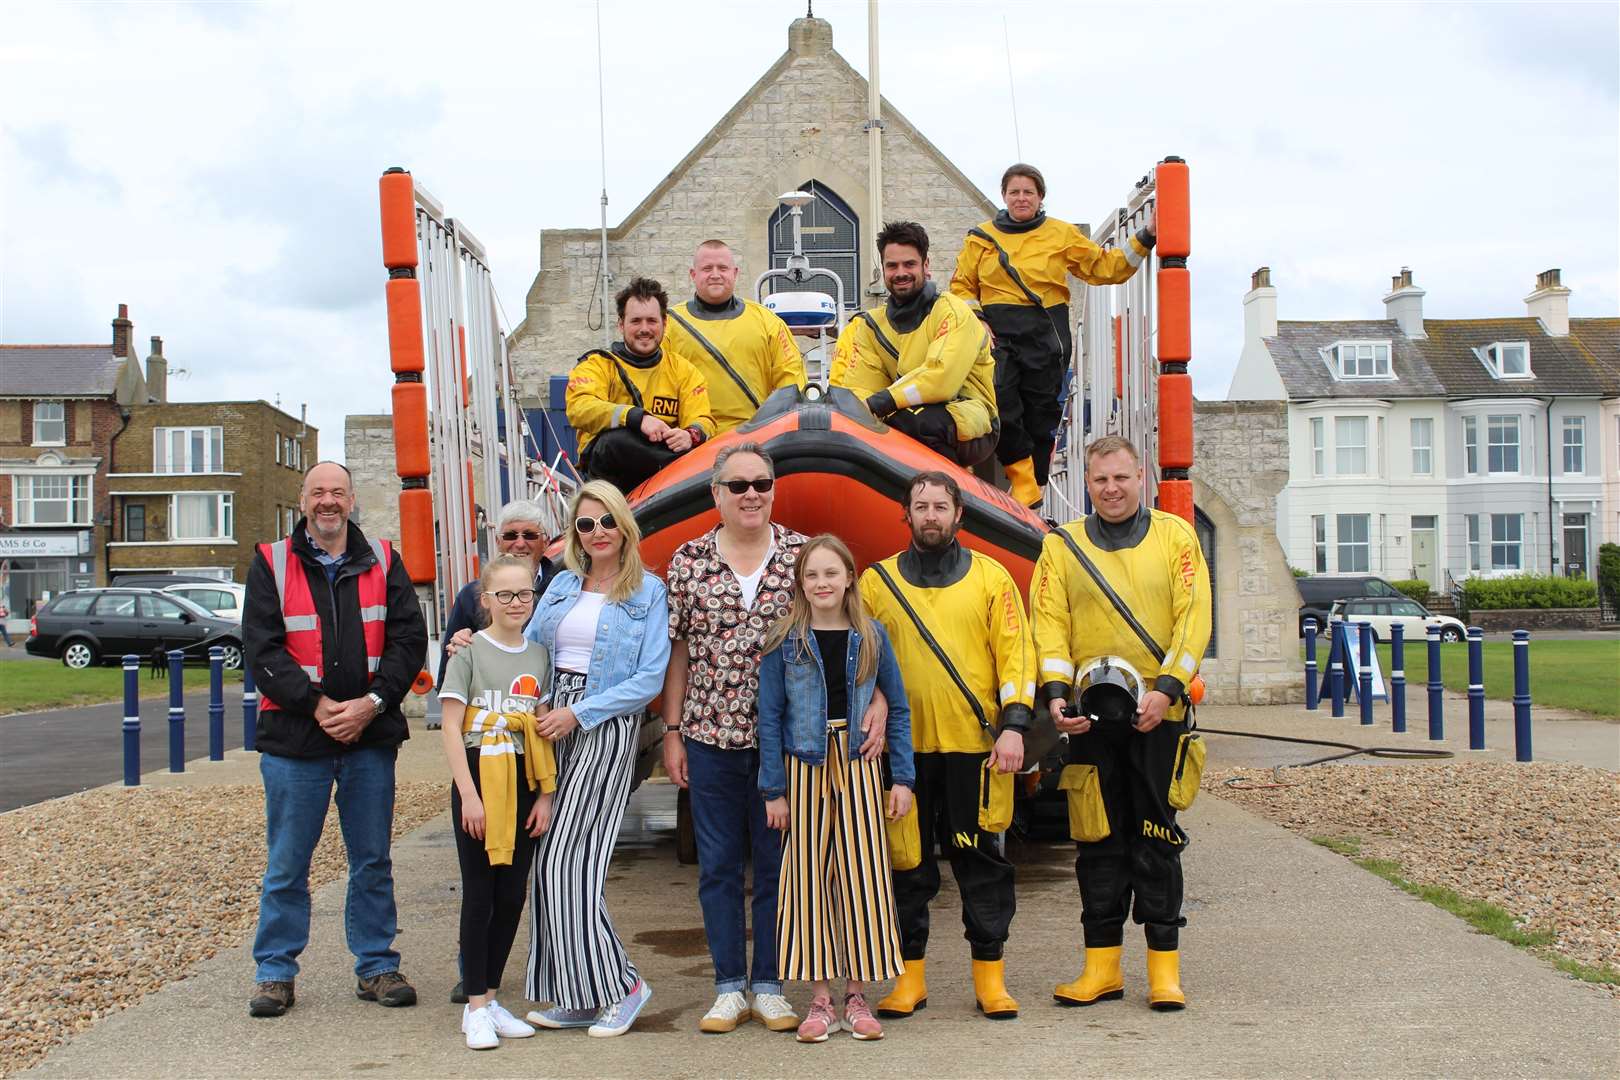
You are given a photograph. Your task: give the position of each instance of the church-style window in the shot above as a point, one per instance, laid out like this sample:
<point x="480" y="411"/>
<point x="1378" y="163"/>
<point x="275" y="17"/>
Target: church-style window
<point x="831" y="235"/>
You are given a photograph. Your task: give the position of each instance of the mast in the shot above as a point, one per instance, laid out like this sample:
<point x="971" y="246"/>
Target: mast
<point x="874" y="144"/>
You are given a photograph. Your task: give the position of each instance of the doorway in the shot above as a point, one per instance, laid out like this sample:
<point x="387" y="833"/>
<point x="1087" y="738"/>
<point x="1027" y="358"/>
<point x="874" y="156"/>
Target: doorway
<point x="1425" y="540"/>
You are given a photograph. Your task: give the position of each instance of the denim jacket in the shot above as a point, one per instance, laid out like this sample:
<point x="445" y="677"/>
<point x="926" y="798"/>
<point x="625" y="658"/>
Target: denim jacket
<point x="793" y="709"/>
<point x="631" y="650"/>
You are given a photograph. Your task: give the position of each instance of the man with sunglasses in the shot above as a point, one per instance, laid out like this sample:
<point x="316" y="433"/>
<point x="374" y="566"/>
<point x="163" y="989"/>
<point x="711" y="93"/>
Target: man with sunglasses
<point x="637" y="406"/>
<point x="725" y="588"/>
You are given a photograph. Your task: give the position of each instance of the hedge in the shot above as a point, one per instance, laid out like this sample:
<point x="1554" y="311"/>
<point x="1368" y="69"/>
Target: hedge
<point x="1609" y="572"/>
<point x="1415" y="588"/>
<point x="1528" y="591"/>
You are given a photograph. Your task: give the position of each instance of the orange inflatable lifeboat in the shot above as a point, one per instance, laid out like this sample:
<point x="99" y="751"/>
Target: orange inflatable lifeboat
<point x="838" y="470"/>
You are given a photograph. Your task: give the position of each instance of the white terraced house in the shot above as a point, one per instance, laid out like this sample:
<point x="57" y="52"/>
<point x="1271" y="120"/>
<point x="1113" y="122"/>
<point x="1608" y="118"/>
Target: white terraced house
<point x="1439" y="449"/>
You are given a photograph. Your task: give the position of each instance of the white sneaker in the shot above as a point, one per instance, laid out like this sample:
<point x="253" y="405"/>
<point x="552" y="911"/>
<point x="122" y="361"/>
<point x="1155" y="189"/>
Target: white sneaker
<point x="507" y="1026"/>
<point x="479" y="1027"/>
<point x="616" y="1018"/>
<point x="725" y="1014"/>
<point x="774" y="1012"/>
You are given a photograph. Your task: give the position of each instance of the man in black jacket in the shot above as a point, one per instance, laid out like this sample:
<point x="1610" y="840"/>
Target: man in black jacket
<point x="329" y="716"/>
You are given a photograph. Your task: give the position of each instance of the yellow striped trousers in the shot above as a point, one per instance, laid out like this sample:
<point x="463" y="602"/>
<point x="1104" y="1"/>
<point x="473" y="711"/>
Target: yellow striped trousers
<point x="835" y="909"/>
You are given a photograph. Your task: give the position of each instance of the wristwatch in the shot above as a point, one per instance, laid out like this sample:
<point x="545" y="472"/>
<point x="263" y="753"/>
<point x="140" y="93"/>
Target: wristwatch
<point x="376" y="703"/>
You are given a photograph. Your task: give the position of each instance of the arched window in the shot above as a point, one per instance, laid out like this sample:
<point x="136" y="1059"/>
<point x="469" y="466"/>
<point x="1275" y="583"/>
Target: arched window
<point x="831" y="236"/>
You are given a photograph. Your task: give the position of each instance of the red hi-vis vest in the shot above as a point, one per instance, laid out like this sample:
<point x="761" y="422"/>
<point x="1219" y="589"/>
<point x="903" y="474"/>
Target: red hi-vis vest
<point x="303" y="623"/>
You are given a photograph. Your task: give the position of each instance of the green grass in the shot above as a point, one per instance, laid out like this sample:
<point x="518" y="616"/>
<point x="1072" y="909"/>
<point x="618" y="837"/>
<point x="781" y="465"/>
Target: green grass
<point x="27" y="685"/>
<point x="1485" y="917"/>
<point x="1571" y="674"/>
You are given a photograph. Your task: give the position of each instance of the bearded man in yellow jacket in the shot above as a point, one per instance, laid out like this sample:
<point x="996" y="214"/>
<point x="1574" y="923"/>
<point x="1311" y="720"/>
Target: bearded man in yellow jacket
<point x="744" y="350"/>
<point x="1014" y="271"/>
<point x="1123" y="769"/>
<point x="635" y="406"/>
<point x="922" y="361"/>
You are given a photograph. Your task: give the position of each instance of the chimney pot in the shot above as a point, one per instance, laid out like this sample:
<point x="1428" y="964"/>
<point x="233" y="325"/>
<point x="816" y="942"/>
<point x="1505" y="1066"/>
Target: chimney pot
<point x="157" y="346"/>
<point x="1404" y="304"/>
<point x="122" y="328"/>
<point x="1550" y="303"/>
<point x="1548" y="279"/>
<point x="1261" y="278"/>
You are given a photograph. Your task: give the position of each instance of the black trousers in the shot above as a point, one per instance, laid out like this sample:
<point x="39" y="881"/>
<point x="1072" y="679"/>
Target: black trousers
<point x="491" y="896"/>
<point x="1032" y="353"/>
<point x="1141" y="857"/>
<point x="935" y="428"/>
<point x="624" y="458"/>
<point x="948" y="813"/>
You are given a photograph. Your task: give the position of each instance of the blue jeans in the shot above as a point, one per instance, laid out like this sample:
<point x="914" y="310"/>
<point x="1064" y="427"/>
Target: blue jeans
<point x="297" y="792"/>
<point x="728" y="818"/>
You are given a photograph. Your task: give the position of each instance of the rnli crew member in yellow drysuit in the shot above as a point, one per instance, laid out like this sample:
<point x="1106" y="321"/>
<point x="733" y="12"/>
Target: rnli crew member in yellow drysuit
<point x="1030" y="321"/>
<point x="1152" y="561"/>
<point x="636" y="407"/>
<point x="742" y="348"/>
<point x="965" y="759"/>
<point x="922" y="361"/>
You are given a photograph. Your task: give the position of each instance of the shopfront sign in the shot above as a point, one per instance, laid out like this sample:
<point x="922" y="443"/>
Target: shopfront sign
<point x="35" y="545"/>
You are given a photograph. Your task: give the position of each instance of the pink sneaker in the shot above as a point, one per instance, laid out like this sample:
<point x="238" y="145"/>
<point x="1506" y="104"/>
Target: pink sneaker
<point x="859" y="1019"/>
<point x="819" y="1022"/>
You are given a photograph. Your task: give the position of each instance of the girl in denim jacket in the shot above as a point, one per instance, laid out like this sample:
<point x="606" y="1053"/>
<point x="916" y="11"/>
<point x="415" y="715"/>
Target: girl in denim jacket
<point x="605" y="622"/>
<point x="836" y="913"/>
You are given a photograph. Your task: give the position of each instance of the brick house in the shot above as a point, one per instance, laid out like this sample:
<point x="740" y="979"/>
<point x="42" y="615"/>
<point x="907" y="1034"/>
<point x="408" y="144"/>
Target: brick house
<point x="196" y="484"/>
<point x="61" y="406"/>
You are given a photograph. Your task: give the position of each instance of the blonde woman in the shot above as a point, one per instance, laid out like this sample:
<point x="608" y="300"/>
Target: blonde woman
<point x="836" y="913"/>
<point x="604" y="621"/>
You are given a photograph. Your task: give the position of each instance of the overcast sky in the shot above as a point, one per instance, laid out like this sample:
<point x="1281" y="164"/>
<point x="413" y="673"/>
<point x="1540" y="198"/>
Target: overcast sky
<point x="215" y="165"/>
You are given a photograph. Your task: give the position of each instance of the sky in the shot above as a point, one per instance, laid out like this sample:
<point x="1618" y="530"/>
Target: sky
<point x="215" y="166"/>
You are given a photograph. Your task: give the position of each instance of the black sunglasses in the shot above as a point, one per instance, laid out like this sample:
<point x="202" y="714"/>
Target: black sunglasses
<point x="737" y="487"/>
<point x="528" y="534"/>
<point x="587" y="525"/>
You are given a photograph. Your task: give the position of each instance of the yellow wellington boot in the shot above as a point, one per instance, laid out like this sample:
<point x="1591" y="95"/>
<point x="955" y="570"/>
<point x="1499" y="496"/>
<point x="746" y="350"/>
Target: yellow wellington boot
<point x="1101" y="981"/>
<point x="910" y="992"/>
<point x="1164" y="980"/>
<point x="1021" y="475"/>
<point x="990" y="990"/>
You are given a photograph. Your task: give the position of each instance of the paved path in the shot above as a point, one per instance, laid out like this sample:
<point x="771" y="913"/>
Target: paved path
<point x="1297" y="963"/>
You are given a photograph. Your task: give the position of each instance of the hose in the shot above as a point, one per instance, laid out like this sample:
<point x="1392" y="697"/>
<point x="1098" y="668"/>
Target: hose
<point x="1350" y="750"/>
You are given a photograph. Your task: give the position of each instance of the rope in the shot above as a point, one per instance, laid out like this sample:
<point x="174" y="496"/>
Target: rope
<point x="1396" y="753"/>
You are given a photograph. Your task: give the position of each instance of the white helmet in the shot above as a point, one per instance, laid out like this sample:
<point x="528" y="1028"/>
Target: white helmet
<point x="1108" y="688"/>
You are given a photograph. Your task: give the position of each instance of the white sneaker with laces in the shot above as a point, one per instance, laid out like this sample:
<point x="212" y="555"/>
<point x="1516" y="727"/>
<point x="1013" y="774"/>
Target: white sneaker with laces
<point x="479" y="1027"/>
<point x="728" y="1010"/>
<point x="507" y="1026"/>
<point x="775" y="1013"/>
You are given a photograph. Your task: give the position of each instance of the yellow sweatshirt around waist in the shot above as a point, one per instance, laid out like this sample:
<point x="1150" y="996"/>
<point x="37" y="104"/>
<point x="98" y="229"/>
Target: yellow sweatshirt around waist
<point x="497" y="773"/>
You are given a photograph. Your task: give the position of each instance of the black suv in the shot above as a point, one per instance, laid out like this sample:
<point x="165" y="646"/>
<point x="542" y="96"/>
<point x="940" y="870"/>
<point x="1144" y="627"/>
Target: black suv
<point x="1320" y="590"/>
<point x="91" y="626"/>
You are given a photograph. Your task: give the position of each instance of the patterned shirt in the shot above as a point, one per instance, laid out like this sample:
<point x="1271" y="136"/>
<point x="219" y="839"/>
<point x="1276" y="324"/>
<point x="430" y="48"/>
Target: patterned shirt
<point x="722" y="637"/>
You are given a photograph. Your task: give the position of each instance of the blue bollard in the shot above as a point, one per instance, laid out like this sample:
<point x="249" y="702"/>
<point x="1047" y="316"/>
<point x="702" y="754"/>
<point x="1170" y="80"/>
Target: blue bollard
<point x="1521" y="695"/>
<point x="1437" y="689"/>
<point x="250" y="707"/>
<point x="1313" y="697"/>
<point x="177" y="711"/>
<point x="132" y="720"/>
<point x="1397" y="678"/>
<point x="216" y="703"/>
<point x="1476" y="688"/>
<point x="1336" y="668"/>
<point x="1364" y="688"/>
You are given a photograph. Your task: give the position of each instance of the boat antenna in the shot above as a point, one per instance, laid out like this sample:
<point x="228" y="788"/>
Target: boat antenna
<point x="604" y="276"/>
<point x="1006" y="41"/>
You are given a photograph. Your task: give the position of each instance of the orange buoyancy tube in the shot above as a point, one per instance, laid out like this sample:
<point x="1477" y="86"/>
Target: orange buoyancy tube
<point x="303" y="622"/>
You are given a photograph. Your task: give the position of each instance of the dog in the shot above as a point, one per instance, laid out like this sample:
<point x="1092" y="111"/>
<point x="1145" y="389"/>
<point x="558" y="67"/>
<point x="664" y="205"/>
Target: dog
<point x="158" y="664"/>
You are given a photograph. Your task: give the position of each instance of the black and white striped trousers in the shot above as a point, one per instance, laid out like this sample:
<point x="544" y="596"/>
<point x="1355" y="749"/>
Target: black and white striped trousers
<point x="576" y="960"/>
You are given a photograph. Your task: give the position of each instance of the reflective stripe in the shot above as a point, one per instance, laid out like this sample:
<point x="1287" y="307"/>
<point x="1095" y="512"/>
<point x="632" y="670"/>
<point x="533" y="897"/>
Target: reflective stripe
<point x="278" y="568"/>
<point x="1187" y="662"/>
<point x="1008" y="692"/>
<point x="912" y="395"/>
<point x="311" y="670"/>
<point x="301" y="622"/>
<point x="372" y="662"/>
<point x="374" y="614"/>
<point x="1058" y="667"/>
<point x="1029" y="690"/>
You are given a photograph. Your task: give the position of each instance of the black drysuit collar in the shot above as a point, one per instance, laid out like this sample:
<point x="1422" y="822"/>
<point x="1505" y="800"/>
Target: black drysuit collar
<point x="700" y="308"/>
<point x="1119" y="535"/>
<point x="1005" y="223"/>
<point x="934" y="568"/>
<point x="907" y="315"/>
<point x="622" y="351"/>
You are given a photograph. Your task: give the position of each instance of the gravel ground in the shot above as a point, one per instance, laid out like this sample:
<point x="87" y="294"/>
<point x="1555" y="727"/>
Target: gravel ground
<point x="1541" y="841"/>
<point x="111" y="894"/>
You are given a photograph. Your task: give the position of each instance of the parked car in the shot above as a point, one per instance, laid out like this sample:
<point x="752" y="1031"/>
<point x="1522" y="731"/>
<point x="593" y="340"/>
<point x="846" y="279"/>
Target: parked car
<point x="223" y="598"/>
<point x="1320" y="590"/>
<point x="1381" y="613"/>
<point x="142" y="579"/>
<point x="91" y="626"/>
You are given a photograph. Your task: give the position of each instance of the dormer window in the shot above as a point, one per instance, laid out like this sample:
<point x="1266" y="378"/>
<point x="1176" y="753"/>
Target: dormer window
<point x="1507" y="359"/>
<point x="1360" y="360"/>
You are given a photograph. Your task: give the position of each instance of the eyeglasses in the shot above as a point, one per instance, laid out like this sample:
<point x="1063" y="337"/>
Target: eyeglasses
<point x="737" y="487"/>
<point x="527" y="534"/>
<point x="586" y="525"/>
<point x="506" y="596"/>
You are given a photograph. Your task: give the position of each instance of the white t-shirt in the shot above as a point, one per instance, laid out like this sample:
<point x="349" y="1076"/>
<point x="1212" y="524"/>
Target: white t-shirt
<point x="749" y="583"/>
<point x="576" y="634"/>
